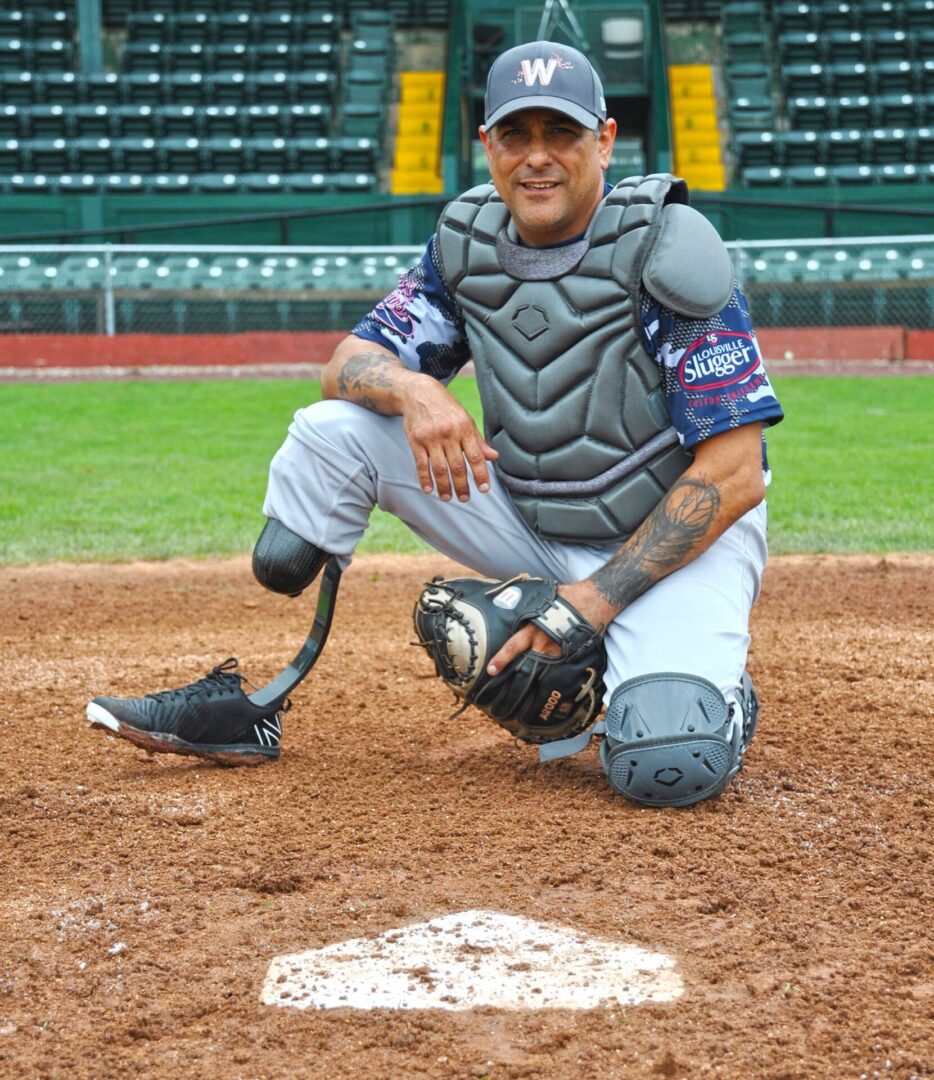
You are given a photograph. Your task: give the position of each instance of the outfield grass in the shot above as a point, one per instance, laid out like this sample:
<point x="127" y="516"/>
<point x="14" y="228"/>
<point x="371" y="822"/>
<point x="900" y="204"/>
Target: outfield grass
<point x="116" y="471"/>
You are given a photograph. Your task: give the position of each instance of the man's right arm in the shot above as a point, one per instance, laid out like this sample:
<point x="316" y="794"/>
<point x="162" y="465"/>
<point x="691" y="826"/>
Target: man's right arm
<point x="445" y="441"/>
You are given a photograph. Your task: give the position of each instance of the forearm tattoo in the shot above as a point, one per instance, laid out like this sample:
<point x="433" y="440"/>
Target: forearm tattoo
<point x="361" y="375"/>
<point x="662" y="542"/>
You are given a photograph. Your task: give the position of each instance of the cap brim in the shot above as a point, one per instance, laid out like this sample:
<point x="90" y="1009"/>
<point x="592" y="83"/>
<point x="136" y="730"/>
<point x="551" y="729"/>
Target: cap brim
<point x="541" y="101"/>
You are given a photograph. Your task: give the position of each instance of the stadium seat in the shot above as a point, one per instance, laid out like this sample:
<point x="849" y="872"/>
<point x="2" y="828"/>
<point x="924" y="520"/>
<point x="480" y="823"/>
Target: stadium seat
<point x="855" y="112"/>
<point x="270" y="155"/>
<point x="14" y="124"/>
<point x="896" y="77"/>
<point x="790" y="16"/>
<point x="898" y="109"/>
<point x="842" y="147"/>
<point x="800" y="47"/>
<point x="264" y="121"/>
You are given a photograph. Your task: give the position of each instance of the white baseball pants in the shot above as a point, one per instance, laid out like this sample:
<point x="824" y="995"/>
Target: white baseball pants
<point x="340" y="460"/>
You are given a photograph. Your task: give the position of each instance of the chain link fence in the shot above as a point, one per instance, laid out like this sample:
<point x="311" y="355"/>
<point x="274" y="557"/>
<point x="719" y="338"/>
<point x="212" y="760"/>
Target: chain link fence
<point x="175" y="289"/>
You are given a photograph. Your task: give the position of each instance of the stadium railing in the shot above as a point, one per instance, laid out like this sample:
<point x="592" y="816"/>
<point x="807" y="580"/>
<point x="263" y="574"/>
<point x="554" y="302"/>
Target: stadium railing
<point x="183" y="289"/>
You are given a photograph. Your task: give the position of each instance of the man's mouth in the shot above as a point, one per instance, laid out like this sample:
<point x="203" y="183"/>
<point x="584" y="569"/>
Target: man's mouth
<point x="538" y="185"/>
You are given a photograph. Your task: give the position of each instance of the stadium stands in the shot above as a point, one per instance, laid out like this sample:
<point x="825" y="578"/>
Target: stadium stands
<point x="285" y="96"/>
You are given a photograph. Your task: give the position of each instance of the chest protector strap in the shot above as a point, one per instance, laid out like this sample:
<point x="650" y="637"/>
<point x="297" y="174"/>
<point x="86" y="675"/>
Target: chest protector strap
<point x="571" y="400"/>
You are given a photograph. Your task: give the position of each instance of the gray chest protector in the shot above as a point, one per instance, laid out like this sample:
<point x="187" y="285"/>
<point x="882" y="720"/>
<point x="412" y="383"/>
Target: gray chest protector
<point x="571" y="400"/>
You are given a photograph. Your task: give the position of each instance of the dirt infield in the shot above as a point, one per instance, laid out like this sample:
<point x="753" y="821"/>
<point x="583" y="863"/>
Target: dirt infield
<point x="144" y="898"/>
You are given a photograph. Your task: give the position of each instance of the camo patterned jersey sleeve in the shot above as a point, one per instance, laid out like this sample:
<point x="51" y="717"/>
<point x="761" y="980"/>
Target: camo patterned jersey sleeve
<point x="714" y="375"/>
<point x="419" y="321"/>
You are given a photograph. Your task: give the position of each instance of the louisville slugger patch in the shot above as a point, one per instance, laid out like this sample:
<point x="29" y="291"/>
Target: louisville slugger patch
<point x="716" y="359"/>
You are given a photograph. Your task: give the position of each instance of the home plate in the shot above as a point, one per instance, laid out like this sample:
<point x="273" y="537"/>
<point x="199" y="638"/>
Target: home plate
<point x="472" y="959"/>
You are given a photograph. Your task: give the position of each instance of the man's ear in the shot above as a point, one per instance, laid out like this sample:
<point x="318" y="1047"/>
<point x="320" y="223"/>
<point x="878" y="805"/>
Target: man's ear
<point x="606" y="136"/>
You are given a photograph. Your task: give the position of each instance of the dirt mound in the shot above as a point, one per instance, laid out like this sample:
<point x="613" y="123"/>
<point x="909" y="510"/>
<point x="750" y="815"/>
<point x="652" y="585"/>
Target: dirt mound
<point x="144" y="897"/>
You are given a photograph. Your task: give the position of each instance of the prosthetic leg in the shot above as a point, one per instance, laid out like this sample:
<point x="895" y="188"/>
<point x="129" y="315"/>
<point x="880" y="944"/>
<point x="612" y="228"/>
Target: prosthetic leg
<point x="285" y="563"/>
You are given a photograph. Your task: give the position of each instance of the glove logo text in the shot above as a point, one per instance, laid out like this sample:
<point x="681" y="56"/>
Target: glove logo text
<point x="549" y="707"/>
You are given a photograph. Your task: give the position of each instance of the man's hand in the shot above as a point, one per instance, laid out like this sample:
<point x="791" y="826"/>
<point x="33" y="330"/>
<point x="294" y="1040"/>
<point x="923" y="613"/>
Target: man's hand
<point x="445" y="441"/>
<point x="583" y="596"/>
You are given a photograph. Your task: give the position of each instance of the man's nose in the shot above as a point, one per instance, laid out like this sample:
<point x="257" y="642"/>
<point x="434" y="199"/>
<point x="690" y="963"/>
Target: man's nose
<point x="539" y="152"/>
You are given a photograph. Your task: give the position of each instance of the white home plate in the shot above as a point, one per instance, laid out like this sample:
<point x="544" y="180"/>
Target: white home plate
<point x="472" y="959"/>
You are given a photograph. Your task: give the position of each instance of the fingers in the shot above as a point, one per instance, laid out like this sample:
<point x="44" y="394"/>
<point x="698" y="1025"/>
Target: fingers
<point x="524" y="639"/>
<point x="446" y="444"/>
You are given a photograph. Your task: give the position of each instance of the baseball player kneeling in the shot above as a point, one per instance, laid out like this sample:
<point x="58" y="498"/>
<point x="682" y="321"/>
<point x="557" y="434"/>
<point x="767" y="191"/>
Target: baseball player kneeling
<point x="613" y="504"/>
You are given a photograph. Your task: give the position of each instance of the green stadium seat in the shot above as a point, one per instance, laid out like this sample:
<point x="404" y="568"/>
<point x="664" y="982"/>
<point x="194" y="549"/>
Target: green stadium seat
<point x="15" y="24"/>
<point x="308" y="121"/>
<point x="138" y="154"/>
<point x="837" y="15"/>
<point x="14" y="156"/>
<point x="364" y="88"/>
<point x="13" y="123"/>
<point x="752" y="113"/>
<point x="310" y="155"/>
<point x="221" y="121"/>
<point x="892" y="45"/>
<point x="803" y="80"/>
<point x="799" y="147"/>
<point x="790" y="16"/>
<point x="144" y="28"/>
<point x="855" y="112"/>
<point x="849" y="79"/>
<point x="86" y="121"/>
<point x="135" y="88"/>
<point x="900" y="173"/>
<point x="51" y="156"/>
<point x="235" y="27"/>
<point x="919" y="14"/>
<point x="135" y="121"/>
<point x="363" y="120"/>
<point x="51" y="121"/>
<point x="215" y="183"/>
<point x="93" y="155"/>
<point x="355" y="155"/>
<point x="748" y="80"/>
<point x="270" y="155"/>
<point x="192" y="28"/>
<point x="853" y="174"/>
<point x="59" y="87"/>
<point x="800" y="47"/>
<point x="357" y="182"/>
<point x="226" y="88"/>
<point x="811" y="112"/>
<point x="895" y="77"/>
<point x="897" y="109"/>
<point x="806" y="175"/>
<point x="310" y="182"/>
<point x="264" y="121"/>
<point x="842" y="147"/>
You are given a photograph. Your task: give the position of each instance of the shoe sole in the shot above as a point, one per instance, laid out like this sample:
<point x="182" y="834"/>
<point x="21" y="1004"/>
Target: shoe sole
<point x="231" y="754"/>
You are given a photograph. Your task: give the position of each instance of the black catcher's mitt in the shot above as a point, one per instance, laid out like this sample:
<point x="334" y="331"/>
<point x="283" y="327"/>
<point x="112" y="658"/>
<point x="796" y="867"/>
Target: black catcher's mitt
<point x="463" y="622"/>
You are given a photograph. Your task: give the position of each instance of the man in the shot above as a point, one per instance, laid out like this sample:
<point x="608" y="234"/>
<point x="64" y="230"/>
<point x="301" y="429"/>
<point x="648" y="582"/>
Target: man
<point x="624" y="400"/>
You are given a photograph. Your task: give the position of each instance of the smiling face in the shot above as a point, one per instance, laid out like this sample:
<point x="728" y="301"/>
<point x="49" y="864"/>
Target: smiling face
<point x="548" y="169"/>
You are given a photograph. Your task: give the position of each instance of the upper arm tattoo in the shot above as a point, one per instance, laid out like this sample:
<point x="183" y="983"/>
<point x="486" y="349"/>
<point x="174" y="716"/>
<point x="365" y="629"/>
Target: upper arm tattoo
<point x="363" y="373"/>
<point x="662" y="543"/>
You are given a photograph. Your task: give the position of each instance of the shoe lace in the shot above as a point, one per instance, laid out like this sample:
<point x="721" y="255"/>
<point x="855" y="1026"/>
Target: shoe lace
<point x="219" y="679"/>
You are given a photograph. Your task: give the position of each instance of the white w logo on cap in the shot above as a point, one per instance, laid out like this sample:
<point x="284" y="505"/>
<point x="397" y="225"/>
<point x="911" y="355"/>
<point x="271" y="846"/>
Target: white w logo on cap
<point x="538" y="70"/>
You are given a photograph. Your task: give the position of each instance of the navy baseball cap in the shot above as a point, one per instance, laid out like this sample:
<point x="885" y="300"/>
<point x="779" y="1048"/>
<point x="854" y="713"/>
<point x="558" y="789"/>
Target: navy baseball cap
<point x="544" y="75"/>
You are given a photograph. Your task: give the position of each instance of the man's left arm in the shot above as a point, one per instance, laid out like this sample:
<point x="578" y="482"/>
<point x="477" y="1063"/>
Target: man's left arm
<point x="723" y="482"/>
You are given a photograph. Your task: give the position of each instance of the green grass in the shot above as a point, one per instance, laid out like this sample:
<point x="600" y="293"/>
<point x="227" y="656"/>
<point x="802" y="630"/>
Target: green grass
<point x="852" y="466"/>
<point x="117" y="471"/>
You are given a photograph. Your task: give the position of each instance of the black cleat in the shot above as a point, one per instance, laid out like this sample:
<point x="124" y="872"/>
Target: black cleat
<point x="212" y="718"/>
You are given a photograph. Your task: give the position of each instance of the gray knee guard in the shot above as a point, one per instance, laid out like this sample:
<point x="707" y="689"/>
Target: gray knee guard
<point x="283" y="561"/>
<point x="673" y="740"/>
